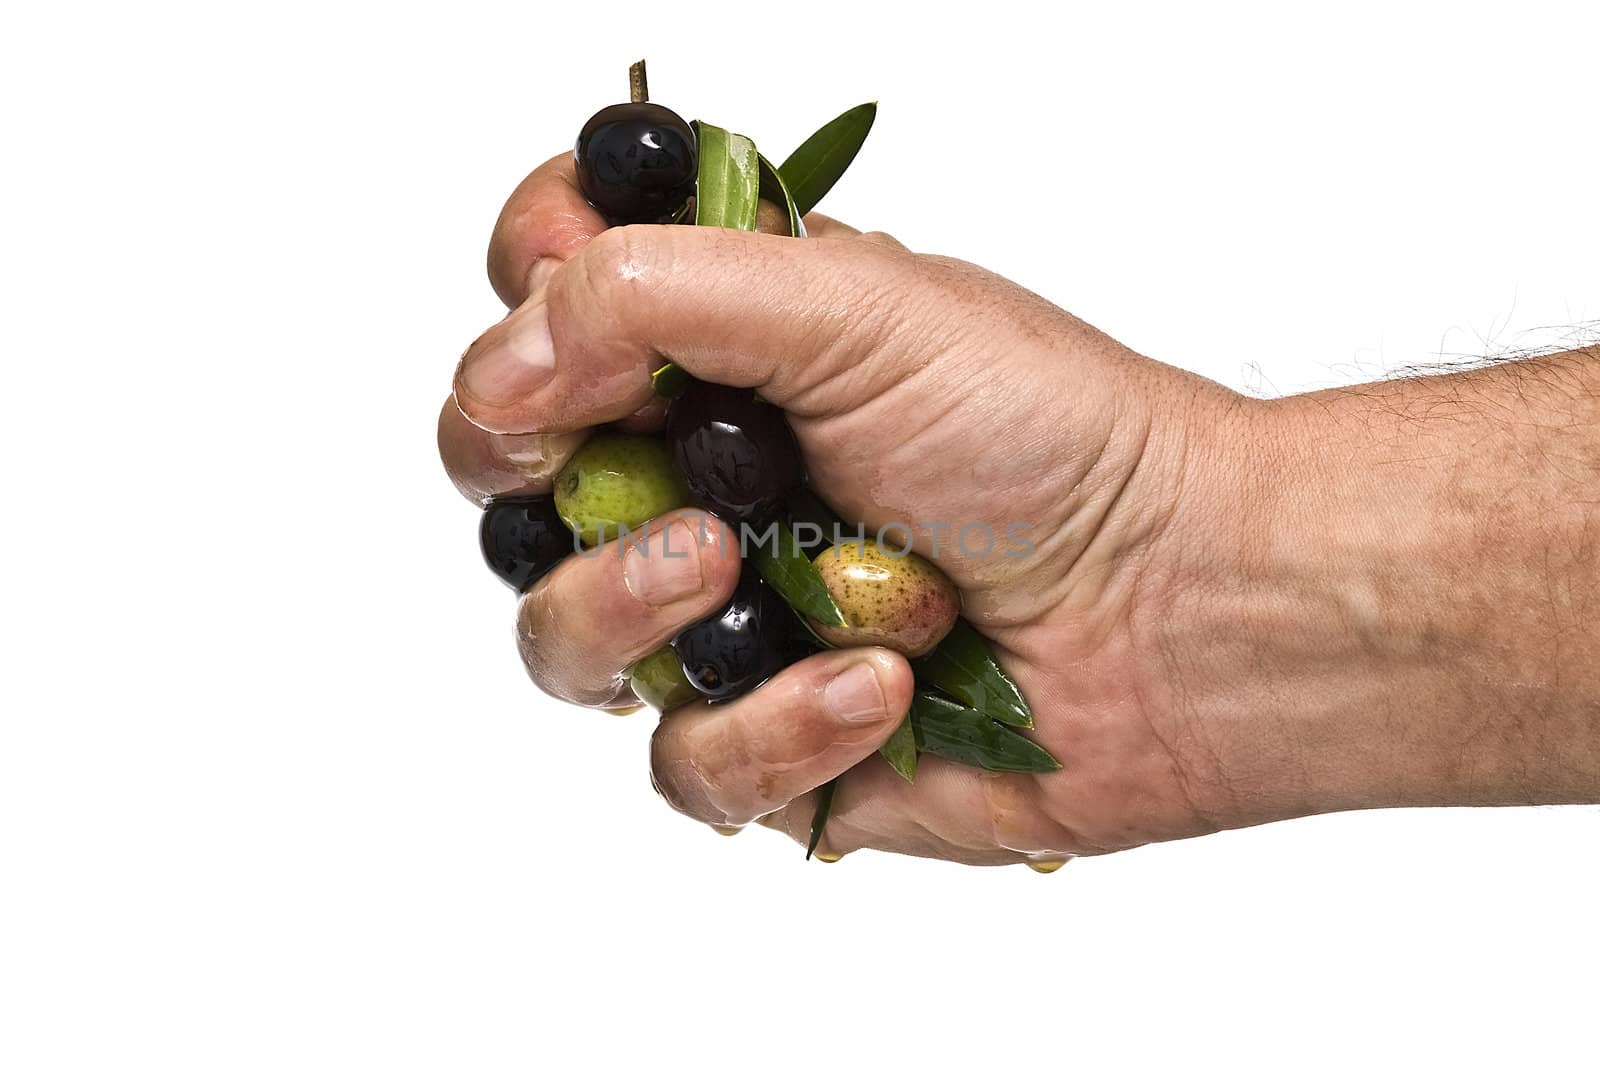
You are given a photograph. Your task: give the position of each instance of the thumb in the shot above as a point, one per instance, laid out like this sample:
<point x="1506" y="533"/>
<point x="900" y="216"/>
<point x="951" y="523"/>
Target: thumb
<point x="788" y="317"/>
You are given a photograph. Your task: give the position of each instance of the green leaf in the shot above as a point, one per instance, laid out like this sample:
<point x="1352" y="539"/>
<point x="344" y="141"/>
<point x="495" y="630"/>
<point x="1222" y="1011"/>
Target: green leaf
<point x="813" y="168"/>
<point x="961" y="734"/>
<point x="963" y="667"/>
<point x="773" y="189"/>
<point x="669" y="380"/>
<point x="785" y="566"/>
<point x="729" y="183"/>
<point x="819" y="820"/>
<point x="901" y="750"/>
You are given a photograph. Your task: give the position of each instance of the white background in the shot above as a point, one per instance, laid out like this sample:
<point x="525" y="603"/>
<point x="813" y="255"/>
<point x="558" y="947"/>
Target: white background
<point x="274" y="791"/>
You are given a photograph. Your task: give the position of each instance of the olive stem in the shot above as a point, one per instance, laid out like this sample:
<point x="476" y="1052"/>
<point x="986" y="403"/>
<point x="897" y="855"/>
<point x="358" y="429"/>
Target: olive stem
<point x="638" y="88"/>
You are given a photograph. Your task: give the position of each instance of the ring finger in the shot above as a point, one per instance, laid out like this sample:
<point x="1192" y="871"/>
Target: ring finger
<point x="581" y="627"/>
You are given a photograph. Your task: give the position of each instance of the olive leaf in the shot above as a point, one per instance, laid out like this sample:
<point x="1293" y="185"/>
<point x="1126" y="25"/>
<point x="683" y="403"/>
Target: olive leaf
<point x="729" y="182"/>
<point x="961" y="734"/>
<point x="819" y="819"/>
<point x="963" y="667"/>
<point x="773" y="189"/>
<point x="788" y="569"/>
<point x="669" y="381"/>
<point x="901" y="750"/>
<point x="813" y="168"/>
<point x="726" y="191"/>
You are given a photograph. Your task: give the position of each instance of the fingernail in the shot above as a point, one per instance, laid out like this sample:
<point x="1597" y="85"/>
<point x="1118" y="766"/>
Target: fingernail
<point x="727" y="831"/>
<point x="514" y="365"/>
<point x="855" y="695"/>
<point x="1046" y="866"/>
<point x="665" y="568"/>
<point x="826" y="857"/>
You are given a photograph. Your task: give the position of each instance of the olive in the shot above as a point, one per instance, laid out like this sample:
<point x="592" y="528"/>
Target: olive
<point x="617" y="481"/>
<point x="523" y="538"/>
<point x="657" y="679"/>
<point x="743" y="644"/>
<point x="890" y="599"/>
<point x="636" y="162"/>
<point x="737" y="453"/>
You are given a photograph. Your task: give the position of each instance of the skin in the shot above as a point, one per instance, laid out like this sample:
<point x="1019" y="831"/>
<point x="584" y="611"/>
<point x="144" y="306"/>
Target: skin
<point x="482" y="465"/>
<point x="1236" y="611"/>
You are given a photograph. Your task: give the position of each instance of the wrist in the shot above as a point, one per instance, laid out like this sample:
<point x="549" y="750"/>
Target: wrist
<point x="1356" y="611"/>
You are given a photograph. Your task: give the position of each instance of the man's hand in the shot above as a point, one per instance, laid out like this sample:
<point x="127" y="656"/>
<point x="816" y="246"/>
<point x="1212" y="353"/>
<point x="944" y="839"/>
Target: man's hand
<point x="1189" y="674"/>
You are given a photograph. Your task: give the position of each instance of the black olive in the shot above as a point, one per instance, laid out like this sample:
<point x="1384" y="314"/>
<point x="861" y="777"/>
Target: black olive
<point x="743" y="644"/>
<point x="636" y="162"/>
<point x="737" y="454"/>
<point x="523" y="538"/>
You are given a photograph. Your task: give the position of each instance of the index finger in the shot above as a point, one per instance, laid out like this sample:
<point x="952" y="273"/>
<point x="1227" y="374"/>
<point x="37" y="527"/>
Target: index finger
<point x="546" y="219"/>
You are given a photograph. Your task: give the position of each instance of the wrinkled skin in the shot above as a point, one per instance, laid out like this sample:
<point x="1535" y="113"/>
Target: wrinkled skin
<point x="912" y="359"/>
<point x="482" y="465"/>
<point x="1150" y="626"/>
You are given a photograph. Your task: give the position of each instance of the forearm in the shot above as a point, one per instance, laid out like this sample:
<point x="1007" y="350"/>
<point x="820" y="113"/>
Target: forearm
<point x="1406" y="611"/>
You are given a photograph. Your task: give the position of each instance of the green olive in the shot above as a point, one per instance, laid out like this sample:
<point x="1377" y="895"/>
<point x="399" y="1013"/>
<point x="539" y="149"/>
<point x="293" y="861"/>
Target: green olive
<point x="617" y="481"/>
<point x="658" y="679"/>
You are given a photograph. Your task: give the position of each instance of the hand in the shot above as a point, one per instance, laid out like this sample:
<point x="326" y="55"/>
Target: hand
<point x="930" y="393"/>
<point x="922" y="390"/>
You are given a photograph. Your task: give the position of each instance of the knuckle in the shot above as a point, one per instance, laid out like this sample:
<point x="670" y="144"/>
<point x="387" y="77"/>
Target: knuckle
<point x="625" y="258"/>
<point x="887" y="304"/>
<point x="678" y="782"/>
<point x="891" y="287"/>
<point x="535" y="623"/>
<point x="506" y="258"/>
<point x="541" y="642"/>
<point x="847" y="330"/>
